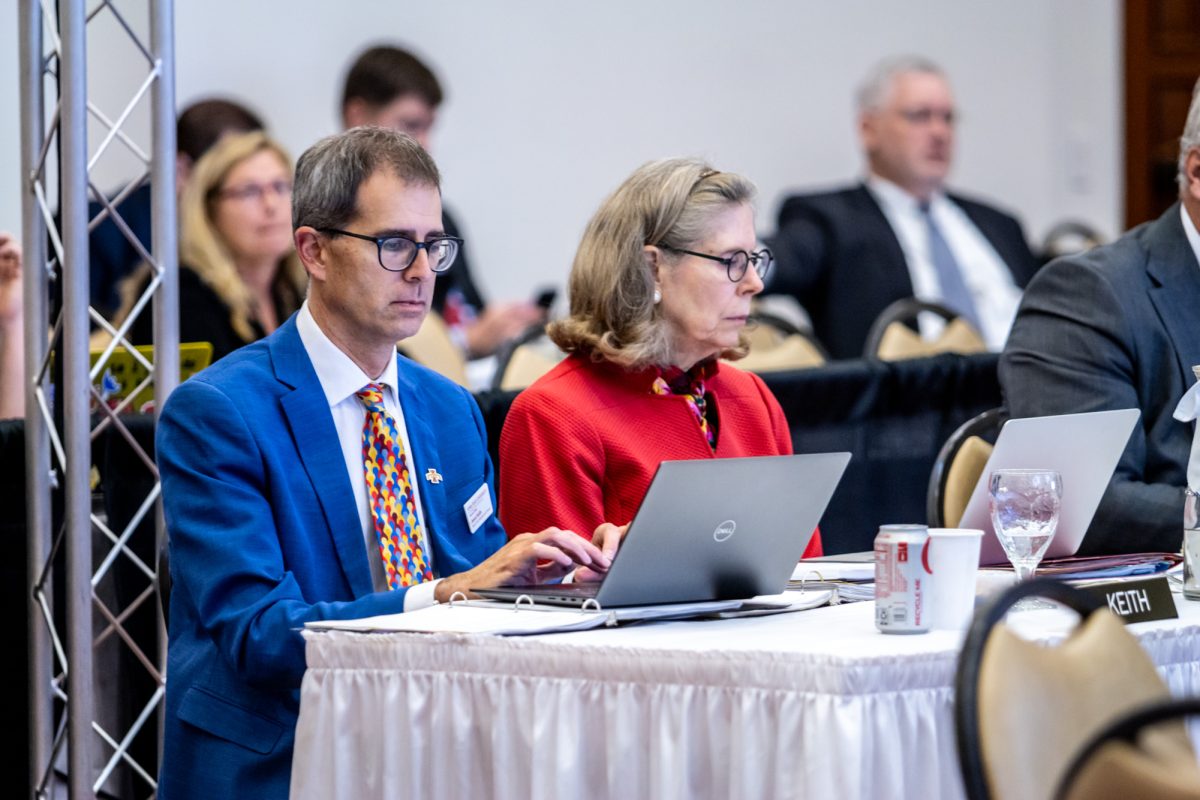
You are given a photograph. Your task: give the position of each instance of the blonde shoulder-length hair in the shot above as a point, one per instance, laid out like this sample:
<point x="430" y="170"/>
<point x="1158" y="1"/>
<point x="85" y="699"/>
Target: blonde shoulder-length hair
<point x="203" y="248"/>
<point x="613" y="316"/>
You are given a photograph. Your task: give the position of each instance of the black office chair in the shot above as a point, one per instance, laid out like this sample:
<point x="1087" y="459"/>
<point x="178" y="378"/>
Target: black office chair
<point x="958" y="466"/>
<point x="893" y="334"/>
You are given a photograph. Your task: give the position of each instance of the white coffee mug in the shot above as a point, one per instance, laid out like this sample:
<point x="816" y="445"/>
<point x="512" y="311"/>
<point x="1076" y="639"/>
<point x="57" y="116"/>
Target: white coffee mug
<point x="954" y="564"/>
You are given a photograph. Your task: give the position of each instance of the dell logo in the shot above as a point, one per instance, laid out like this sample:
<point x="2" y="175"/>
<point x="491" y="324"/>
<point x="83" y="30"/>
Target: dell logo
<point x="724" y="530"/>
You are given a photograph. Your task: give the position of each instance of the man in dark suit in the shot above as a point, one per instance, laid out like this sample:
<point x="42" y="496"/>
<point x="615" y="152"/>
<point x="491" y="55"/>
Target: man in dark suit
<point x="1119" y="327"/>
<point x="316" y="475"/>
<point x="846" y="255"/>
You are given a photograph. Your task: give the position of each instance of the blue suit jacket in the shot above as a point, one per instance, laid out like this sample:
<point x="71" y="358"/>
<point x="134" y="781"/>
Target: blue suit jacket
<point x="265" y="536"/>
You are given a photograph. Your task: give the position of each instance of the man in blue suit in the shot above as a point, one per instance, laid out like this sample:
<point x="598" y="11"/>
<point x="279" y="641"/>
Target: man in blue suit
<point x="271" y="520"/>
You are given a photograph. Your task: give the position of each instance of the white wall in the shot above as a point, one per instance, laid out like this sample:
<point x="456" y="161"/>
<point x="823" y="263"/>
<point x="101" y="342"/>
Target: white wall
<point x="550" y="105"/>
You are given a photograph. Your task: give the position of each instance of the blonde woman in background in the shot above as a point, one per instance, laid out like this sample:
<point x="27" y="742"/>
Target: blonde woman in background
<point x="239" y="277"/>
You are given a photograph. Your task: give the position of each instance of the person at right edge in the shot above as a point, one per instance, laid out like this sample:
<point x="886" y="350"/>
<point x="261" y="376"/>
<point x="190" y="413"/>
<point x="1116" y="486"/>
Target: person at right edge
<point x="1119" y="327"/>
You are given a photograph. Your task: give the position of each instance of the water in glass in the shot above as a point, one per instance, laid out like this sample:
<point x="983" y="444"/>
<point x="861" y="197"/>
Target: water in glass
<point x="1025" y="505"/>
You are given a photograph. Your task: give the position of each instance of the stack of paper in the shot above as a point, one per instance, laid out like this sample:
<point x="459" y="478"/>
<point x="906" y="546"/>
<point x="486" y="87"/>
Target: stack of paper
<point x="854" y="581"/>
<point x="1091" y="567"/>
<point x="779" y="604"/>
<point x="507" y="619"/>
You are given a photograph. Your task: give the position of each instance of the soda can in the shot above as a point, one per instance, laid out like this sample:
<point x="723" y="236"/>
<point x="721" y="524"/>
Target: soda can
<point x="901" y="578"/>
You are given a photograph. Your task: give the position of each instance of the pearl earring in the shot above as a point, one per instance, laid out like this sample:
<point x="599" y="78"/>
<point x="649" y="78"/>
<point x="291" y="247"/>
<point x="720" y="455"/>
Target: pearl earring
<point x="657" y="297"/>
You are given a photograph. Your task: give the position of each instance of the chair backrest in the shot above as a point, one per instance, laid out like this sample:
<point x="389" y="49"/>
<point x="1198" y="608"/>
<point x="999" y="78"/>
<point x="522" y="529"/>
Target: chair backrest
<point x="524" y="359"/>
<point x="893" y="336"/>
<point x="958" y="466"/>
<point x="1143" y="754"/>
<point x="1022" y="709"/>
<point x="1069" y="237"/>
<point x="432" y="346"/>
<point x="777" y="344"/>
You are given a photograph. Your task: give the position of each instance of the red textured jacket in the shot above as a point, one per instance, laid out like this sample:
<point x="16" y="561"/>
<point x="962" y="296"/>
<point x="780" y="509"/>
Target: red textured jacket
<point x="580" y="446"/>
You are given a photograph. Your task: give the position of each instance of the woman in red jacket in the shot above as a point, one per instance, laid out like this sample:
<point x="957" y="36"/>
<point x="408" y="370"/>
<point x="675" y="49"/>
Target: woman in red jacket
<point x="660" y="293"/>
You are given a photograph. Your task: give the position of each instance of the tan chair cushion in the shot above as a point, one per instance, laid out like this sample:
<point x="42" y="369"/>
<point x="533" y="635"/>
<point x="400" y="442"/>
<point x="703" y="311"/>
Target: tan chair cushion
<point x="961" y="477"/>
<point x="900" y="341"/>
<point x="433" y="347"/>
<point x="793" y="352"/>
<point x="764" y="337"/>
<point x="528" y="363"/>
<point x="1039" y="705"/>
<point x="1159" y="767"/>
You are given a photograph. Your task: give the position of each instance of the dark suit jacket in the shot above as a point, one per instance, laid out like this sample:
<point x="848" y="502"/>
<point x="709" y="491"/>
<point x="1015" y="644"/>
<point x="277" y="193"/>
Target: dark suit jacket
<point x="838" y="255"/>
<point x="204" y="317"/>
<point x="264" y="536"/>
<point x="1118" y="327"/>
<point x="112" y="256"/>
<point x="458" y="278"/>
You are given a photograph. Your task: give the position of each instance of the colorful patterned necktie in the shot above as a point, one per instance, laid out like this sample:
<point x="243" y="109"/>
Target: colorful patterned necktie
<point x="391" y="495"/>
<point x="692" y="388"/>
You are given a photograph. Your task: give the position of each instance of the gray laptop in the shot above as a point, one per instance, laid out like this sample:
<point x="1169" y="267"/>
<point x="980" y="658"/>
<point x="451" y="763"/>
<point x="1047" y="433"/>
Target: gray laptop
<point x="713" y="529"/>
<point x="1083" y="448"/>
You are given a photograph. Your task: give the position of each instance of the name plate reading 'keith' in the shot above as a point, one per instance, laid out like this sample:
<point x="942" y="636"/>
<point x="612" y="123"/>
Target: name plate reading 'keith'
<point x="1136" y="601"/>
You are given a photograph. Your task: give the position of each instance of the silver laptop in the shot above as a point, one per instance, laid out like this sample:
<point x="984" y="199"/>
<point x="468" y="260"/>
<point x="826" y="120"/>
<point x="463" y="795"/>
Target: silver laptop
<point x="1082" y="448"/>
<point x="712" y="529"/>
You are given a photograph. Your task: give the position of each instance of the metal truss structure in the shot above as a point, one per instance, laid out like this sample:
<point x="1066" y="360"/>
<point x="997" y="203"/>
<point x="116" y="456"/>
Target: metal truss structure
<point x="73" y="555"/>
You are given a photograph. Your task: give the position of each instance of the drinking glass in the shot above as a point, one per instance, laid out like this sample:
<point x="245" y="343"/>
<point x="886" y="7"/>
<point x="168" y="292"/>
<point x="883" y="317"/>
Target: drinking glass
<point x="1025" y="505"/>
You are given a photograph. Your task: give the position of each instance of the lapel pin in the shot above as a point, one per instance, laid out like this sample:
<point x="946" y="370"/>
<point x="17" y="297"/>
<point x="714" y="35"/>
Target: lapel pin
<point x="433" y="476"/>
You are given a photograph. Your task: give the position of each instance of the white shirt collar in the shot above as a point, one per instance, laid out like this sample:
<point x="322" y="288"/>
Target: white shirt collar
<point x="1189" y="230"/>
<point x="890" y="194"/>
<point x="340" y="377"/>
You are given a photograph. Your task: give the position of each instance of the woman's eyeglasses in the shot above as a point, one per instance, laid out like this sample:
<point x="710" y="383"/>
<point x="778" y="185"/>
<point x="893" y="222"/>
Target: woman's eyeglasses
<point x="736" y="264"/>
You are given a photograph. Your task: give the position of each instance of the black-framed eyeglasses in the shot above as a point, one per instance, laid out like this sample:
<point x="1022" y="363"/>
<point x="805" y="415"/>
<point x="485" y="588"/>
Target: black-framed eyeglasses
<point x="737" y="264"/>
<point x="397" y="252"/>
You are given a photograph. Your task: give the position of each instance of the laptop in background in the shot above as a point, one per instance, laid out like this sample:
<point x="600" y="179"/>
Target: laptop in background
<point x="124" y="372"/>
<point x="710" y="529"/>
<point x="1083" y="448"/>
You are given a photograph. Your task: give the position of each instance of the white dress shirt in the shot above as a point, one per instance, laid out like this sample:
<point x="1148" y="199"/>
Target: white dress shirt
<point x="340" y="380"/>
<point x="986" y="275"/>
<point x="1189" y="230"/>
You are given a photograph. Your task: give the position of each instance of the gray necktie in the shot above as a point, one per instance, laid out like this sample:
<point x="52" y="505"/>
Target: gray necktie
<point x="955" y="293"/>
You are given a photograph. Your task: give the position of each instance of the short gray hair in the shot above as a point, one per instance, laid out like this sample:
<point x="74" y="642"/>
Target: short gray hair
<point x="1191" y="136"/>
<point x="328" y="174"/>
<point x="873" y="91"/>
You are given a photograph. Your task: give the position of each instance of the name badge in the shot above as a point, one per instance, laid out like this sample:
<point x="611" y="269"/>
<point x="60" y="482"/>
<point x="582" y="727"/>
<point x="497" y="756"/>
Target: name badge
<point x="478" y="508"/>
<point x="1137" y="601"/>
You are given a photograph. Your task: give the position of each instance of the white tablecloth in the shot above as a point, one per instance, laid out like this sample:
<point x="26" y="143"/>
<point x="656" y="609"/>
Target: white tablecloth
<point x="806" y="705"/>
